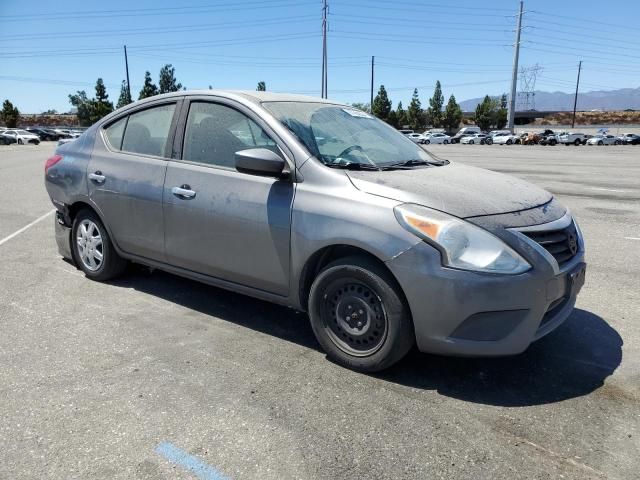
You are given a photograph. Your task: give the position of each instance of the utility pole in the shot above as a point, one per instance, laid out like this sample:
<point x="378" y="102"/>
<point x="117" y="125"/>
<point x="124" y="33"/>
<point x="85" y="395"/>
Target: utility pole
<point x="372" y="64"/>
<point x="126" y="65"/>
<point x="575" y="99"/>
<point x="514" y="75"/>
<point x="325" y="8"/>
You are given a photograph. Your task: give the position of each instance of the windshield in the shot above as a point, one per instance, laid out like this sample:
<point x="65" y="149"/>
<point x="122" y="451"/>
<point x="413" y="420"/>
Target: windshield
<point x="337" y="134"/>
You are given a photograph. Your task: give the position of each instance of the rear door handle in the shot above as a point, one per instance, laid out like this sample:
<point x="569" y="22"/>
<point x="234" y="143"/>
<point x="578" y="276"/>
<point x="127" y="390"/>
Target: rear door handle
<point x="97" y="177"/>
<point x="184" y="192"/>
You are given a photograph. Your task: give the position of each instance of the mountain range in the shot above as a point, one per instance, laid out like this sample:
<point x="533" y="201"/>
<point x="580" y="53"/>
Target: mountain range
<point x="622" y="99"/>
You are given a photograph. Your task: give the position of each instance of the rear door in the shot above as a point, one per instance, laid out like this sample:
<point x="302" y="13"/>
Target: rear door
<point x="126" y="176"/>
<point x="230" y="225"/>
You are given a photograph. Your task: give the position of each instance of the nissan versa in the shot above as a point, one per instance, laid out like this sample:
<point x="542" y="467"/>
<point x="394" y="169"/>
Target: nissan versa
<point x="321" y="207"/>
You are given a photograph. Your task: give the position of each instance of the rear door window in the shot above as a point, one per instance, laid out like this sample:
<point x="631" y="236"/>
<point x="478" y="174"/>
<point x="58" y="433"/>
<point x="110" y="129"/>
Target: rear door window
<point x="147" y="132"/>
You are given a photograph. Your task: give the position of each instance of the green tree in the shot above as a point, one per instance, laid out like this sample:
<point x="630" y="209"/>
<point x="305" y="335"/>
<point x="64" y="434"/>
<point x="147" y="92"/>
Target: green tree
<point x="167" y="81"/>
<point x="502" y="114"/>
<point x="392" y="119"/>
<point x="415" y="115"/>
<point x="100" y="106"/>
<point x="401" y="116"/>
<point x="435" y="106"/>
<point x="10" y="114"/>
<point x="51" y="111"/>
<point x="361" y="106"/>
<point x="262" y="87"/>
<point x="381" y="104"/>
<point x="484" y="115"/>
<point x="149" y="89"/>
<point x="125" y="98"/>
<point x="83" y="107"/>
<point x="452" y="115"/>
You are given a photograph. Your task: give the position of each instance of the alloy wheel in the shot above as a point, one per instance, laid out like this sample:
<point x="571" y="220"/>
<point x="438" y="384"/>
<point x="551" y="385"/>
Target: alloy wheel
<point x="90" y="245"/>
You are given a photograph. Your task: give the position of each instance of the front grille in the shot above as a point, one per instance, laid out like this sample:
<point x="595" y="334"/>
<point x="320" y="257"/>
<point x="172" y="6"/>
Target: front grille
<point x="562" y="244"/>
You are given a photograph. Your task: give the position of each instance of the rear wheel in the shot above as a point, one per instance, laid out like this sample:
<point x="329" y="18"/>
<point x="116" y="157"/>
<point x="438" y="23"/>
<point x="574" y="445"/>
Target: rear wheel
<point x="470" y="142"/>
<point x="600" y="142"/>
<point x="509" y="142"/>
<point x="446" y="142"/>
<point x="359" y="315"/>
<point x="577" y="142"/>
<point x="20" y="142"/>
<point x="427" y="142"/>
<point x="92" y="248"/>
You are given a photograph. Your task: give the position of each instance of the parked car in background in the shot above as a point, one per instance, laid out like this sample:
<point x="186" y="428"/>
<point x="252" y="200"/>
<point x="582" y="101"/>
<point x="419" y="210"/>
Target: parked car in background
<point x="604" y="140"/>
<point x="464" y="131"/>
<point x="22" y="137"/>
<point x="630" y="139"/>
<point x="384" y="245"/>
<point x="6" y="139"/>
<point x="415" y="137"/>
<point x="44" y="134"/>
<point x="505" y="139"/>
<point x="574" y="138"/>
<point x="65" y="140"/>
<point x="436" y="138"/>
<point x="406" y="131"/>
<point x="552" y="140"/>
<point x="476" y="138"/>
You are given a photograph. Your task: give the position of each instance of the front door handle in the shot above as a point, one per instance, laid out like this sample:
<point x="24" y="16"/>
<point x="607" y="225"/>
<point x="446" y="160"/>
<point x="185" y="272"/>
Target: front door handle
<point x="184" y="192"/>
<point x="97" y="177"/>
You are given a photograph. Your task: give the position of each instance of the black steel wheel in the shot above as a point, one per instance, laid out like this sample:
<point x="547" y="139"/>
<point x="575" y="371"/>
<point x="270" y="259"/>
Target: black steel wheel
<point x="359" y="315"/>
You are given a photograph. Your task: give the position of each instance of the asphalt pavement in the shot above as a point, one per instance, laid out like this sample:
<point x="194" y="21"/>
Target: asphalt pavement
<point x="156" y="377"/>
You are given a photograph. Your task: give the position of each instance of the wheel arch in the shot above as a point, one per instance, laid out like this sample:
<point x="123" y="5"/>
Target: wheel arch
<point x="328" y="254"/>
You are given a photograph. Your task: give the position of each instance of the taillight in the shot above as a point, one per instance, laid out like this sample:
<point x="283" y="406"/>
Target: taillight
<point x="51" y="162"/>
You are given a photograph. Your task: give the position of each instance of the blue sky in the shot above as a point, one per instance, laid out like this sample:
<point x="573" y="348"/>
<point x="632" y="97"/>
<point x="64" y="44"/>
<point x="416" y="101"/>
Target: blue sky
<point x="51" y="49"/>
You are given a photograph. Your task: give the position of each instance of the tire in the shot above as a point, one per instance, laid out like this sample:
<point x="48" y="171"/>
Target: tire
<point x="446" y="142"/>
<point x="552" y="143"/>
<point x="600" y="142"/>
<point x="488" y="141"/>
<point x="111" y="264"/>
<point x="470" y="142"/>
<point x="346" y="285"/>
<point x="20" y="142"/>
<point x="577" y="142"/>
<point x="509" y="142"/>
<point x="427" y="142"/>
<point x="618" y="142"/>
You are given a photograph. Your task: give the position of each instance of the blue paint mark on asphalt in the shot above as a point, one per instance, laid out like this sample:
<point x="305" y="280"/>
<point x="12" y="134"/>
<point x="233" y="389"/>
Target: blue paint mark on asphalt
<point x="182" y="458"/>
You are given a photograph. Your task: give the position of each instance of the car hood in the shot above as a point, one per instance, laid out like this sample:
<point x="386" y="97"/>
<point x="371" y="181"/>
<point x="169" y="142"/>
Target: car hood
<point x="456" y="189"/>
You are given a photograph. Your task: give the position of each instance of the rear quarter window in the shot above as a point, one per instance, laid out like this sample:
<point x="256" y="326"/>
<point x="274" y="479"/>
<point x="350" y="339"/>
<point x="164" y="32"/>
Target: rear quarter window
<point x="114" y="132"/>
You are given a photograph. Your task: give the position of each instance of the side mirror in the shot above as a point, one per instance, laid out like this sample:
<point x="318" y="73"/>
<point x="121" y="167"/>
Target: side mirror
<point x="260" y="161"/>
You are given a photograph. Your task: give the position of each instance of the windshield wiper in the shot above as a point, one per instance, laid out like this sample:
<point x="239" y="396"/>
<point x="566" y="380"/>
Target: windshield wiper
<point x="353" y="166"/>
<point x="412" y="163"/>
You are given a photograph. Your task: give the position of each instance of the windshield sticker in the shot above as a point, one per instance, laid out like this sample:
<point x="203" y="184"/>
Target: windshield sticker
<point x="356" y="113"/>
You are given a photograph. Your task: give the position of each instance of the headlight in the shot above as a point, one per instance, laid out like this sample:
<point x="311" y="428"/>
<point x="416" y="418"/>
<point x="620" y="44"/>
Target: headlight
<point x="463" y="245"/>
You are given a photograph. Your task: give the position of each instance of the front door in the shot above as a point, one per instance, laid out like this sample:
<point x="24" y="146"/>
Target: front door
<point x="219" y="222"/>
<point x="126" y="178"/>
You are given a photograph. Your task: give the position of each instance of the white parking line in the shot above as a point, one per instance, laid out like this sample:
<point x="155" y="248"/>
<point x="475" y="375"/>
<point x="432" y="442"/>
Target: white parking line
<point x="610" y="189"/>
<point x="632" y="238"/>
<point x="18" y="232"/>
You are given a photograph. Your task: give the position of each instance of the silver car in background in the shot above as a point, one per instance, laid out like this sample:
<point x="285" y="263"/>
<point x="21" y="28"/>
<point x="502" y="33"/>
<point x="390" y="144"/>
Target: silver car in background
<point x="323" y="208"/>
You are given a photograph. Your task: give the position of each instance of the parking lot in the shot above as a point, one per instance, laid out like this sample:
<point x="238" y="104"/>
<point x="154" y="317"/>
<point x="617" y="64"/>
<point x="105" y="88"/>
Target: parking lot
<point x="97" y="379"/>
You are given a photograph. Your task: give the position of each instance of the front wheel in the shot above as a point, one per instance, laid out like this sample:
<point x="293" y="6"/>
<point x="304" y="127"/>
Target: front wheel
<point x="92" y="248"/>
<point x="509" y="142"/>
<point x="470" y="142"/>
<point x="427" y="142"/>
<point x="446" y="142"/>
<point x="20" y="142"/>
<point x="359" y="315"/>
<point x="577" y="142"/>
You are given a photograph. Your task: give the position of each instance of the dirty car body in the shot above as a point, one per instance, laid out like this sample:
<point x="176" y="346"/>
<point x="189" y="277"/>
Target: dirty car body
<point x="477" y="263"/>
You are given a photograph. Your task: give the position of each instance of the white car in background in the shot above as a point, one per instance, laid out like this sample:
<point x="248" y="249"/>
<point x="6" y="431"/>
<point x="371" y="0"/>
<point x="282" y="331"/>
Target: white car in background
<point x="505" y="139"/>
<point x="21" y="137"/>
<point x="415" y="137"/>
<point x="478" y="138"/>
<point x="604" y="140"/>
<point x="436" y="138"/>
<point x="574" y="138"/>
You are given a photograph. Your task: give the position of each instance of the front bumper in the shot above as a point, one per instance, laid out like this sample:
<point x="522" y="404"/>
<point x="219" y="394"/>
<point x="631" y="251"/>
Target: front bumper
<point x="465" y="313"/>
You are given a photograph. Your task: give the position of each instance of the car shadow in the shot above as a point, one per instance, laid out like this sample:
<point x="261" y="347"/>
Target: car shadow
<point x="570" y="362"/>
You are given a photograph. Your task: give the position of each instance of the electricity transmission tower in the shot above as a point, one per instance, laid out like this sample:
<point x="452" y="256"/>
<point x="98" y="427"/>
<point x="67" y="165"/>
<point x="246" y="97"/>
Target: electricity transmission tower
<point x="527" y="93"/>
